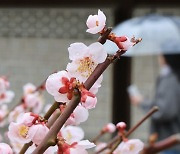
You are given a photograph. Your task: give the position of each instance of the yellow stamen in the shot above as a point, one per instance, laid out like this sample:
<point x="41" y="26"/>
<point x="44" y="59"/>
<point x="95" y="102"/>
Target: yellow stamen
<point x="86" y="67"/>
<point x="132" y="146"/>
<point x="69" y="135"/>
<point x="97" y="23"/>
<point x="23" y="130"/>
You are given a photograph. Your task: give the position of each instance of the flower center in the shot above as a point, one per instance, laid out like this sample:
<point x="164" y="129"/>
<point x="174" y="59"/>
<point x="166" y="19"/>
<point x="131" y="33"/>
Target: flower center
<point x="97" y="23"/>
<point x="131" y="147"/>
<point x="23" y="130"/>
<point x="86" y="66"/>
<point x="69" y="135"/>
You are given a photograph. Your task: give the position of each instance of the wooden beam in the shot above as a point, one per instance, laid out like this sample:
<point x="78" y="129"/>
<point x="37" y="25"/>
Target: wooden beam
<point x="166" y="3"/>
<point x="122" y="74"/>
<point x="121" y="80"/>
<point x="56" y="3"/>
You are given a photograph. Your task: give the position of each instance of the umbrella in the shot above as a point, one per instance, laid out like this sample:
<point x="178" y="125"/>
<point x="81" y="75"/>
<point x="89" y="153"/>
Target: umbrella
<point x="159" y="34"/>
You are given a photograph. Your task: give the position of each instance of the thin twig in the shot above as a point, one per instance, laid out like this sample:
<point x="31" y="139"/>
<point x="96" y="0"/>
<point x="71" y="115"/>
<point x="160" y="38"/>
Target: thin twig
<point x="118" y="138"/>
<point x="162" y="145"/>
<point x="153" y="110"/>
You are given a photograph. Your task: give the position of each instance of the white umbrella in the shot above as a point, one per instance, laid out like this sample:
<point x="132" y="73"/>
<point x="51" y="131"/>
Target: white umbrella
<point x="158" y="33"/>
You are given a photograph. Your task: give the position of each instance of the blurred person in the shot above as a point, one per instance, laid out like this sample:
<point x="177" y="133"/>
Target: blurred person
<point x="166" y="121"/>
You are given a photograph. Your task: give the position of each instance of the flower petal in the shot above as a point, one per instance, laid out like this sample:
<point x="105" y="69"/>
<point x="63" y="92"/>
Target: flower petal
<point x="77" y="50"/>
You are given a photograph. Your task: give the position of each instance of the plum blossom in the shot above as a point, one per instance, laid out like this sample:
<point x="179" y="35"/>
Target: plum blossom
<point x="60" y="85"/>
<point x="85" y="59"/>
<point x="32" y="98"/>
<point x="121" y="126"/>
<point x="81" y="147"/>
<point x="4" y="84"/>
<point x="100" y="146"/>
<point x="26" y="118"/>
<point x="3" y="112"/>
<point x="133" y="146"/>
<point x="6" y="97"/>
<point x="29" y="88"/>
<point x="96" y="23"/>
<point x="34" y="101"/>
<point x="19" y="133"/>
<point x="88" y="99"/>
<point x="79" y="115"/>
<point x="75" y="148"/>
<point x="124" y="43"/>
<point x="27" y="128"/>
<point x="110" y="128"/>
<point x="38" y="132"/>
<point x="72" y="134"/>
<point x="15" y="113"/>
<point x="70" y="141"/>
<point x="5" y="149"/>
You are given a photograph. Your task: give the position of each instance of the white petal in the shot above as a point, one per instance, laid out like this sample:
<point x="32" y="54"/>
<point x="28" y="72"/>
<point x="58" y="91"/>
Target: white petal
<point x="37" y="133"/>
<point x="90" y="102"/>
<point x="61" y="98"/>
<point x="91" y="21"/>
<point x="101" y="18"/>
<point x="97" y="85"/>
<point x="29" y="88"/>
<point x="25" y="118"/>
<point x="86" y="144"/>
<point x="53" y="83"/>
<point x="77" y="50"/>
<point x="97" y="52"/>
<point x="72" y="134"/>
<point x="81" y="114"/>
<point x="9" y="96"/>
<point x="95" y="30"/>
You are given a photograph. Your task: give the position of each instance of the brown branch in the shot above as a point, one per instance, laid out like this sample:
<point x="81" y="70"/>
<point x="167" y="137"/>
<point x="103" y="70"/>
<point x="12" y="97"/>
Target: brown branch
<point x="117" y="139"/>
<point x="162" y="145"/>
<point x="55" y="128"/>
<point x="153" y="110"/>
<point x="53" y="118"/>
<point x="51" y="136"/>
<point x="25" y="147"/>
<point x="98" y="137"/>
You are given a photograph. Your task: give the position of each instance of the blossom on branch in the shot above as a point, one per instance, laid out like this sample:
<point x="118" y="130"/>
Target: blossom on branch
<point x="32" y="99"/>
<point x="133" y="146"/>
<point x="79" y="115"/>
<point x="96" y="23"/>
<point x="61" y="86"/>
<point x="72" y="134"/>
<point x="4" y="84"/>
<point x="6" y="95"/>
<point x="109" y="128"/>
<point x="29" y="88"/>
<point x="5" y="149"/>
<point x="124" y="43"/>
<point x="27" y="128"/>
<point x="85" y="59"/>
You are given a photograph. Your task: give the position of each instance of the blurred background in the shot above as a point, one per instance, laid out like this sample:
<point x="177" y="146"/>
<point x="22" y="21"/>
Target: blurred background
<point x="35" y="35"/>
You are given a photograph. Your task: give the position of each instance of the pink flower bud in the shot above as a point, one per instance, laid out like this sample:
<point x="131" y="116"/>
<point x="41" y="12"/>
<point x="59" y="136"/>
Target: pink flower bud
<point x="110" y="128"/>
<point x="121" y="126"/>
